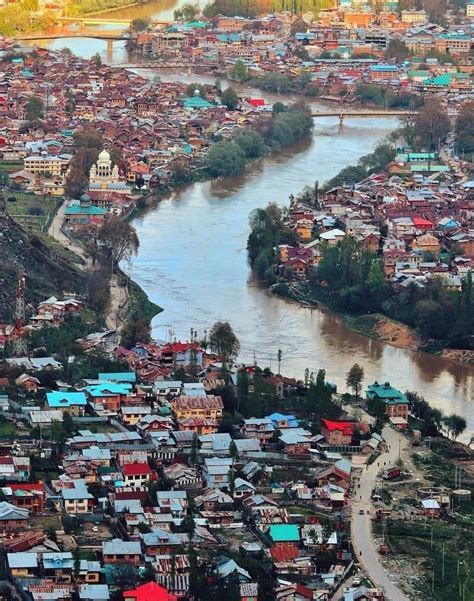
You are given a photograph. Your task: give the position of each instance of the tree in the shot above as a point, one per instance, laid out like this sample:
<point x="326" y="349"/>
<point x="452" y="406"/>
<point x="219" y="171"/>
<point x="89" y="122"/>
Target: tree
<point x="230" y="99"/>
<point x="188" y="12"/>
<point x="397" y="49"/>
<point x="68" y="424"/>
<point x="34" y="108"/>
<point x="233" y="451"/>
<point x="76" y="183"/>
<point x="135" y="330"/>
<point x="251" y="142"/>
<point x="140" y="24"/>
<point x="194" y="449"/>
<point x="223" y="341"/>
<point x="57" y="432"/>
<point x="464" y="129"/>
<point x="455" y="425"/>
<point x="125" y="576"/>
<point x="189" y="526"/>
<point x="278" y="108"/>
<point x="97" y="59"/>
<point x="432" y="125"/>
<point x="279" y="355"/>
<point x="76" y="555"/>
<point x="243" y="385"/>
<point x="225" y="159"/>
<point x="239" y="72"/>
<point x="120" y="239"/>
<point x="354" y="379"/>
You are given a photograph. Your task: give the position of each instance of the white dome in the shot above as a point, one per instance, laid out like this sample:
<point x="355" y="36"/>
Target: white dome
<point x="104" y="156"/>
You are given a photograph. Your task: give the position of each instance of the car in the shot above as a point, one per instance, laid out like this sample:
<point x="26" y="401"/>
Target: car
<point x="361" y="512"/>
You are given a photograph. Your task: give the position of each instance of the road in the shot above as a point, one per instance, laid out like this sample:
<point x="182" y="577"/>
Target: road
<point x="118" y="298"/>
<point x="55" y="232"/>
<point x="361" y="530"/>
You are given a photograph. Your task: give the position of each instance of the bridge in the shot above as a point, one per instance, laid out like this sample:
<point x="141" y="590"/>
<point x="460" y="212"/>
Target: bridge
<point x="85" y="20"/>
<point x="99" y="34"/>
<point x="343" y="113"/>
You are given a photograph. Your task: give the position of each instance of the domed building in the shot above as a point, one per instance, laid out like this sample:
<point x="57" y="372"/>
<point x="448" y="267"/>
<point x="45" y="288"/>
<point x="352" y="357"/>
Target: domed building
<point x="105" y="177"/>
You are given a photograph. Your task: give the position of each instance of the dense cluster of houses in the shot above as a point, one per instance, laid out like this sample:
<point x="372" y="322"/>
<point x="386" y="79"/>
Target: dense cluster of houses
<point x="345" y="34"/>
<point x="144" y="453"/>
<point x="427" y="218"/>
<point x="154" y="129"/>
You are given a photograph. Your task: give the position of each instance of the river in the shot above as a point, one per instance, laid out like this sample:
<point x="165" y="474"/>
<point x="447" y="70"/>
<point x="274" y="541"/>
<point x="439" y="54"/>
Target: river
<point x="192" y="262"/>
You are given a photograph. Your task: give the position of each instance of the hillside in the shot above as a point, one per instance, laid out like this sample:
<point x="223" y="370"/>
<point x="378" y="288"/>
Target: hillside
<point x="47" y="271"/>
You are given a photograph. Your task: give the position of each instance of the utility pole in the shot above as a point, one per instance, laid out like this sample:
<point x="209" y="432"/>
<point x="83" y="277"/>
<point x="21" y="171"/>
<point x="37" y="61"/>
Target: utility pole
<point x="442" y="565"/>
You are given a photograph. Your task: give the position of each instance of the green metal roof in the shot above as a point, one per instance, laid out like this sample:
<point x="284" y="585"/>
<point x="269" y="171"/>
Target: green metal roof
<point x="82" y="210"/>
<point x="385" y="392"/>
<point x="282" y="533"/>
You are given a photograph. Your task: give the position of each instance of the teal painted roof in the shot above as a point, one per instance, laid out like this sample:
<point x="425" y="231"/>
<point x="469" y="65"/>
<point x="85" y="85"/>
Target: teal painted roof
<point x="66" y="399"/>
<point x="82" y="210"/>
<point x="196" y="102"/>
<point x="282" y="533"/>
<point x="119" y="376"/>
<point x="106" y="389"/>
<point x="431" y="168"/>
<point x="386" y="392"/>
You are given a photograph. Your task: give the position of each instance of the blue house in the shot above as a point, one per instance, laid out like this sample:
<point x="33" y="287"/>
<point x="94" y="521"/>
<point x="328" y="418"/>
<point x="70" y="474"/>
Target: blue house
<point x="281" y="421"/>
<point x="69" y="402"/>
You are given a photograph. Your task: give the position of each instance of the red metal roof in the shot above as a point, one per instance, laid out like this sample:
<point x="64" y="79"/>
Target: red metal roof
<point x="136" y="469"/>
<point x="151" y="591"/>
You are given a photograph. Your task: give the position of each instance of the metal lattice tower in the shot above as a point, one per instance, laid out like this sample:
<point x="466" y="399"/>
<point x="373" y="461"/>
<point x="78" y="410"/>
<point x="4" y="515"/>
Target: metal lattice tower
<point x="19" y="343"/>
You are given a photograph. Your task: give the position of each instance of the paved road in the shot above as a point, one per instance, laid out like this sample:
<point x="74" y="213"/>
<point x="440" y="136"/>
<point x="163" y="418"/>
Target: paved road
<point x="55" y="232"/>
<point x="361" y="531"/>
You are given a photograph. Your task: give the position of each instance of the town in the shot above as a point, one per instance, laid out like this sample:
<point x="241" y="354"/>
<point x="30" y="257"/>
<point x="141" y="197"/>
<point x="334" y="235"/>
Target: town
<point x="146" y="482"/>
<point x="139" y="465"/>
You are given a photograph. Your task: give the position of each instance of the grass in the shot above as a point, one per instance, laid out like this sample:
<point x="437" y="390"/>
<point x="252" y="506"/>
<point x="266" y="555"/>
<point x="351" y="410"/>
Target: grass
<point x="19" y="209"/>
<point x="7" y="429"/>
<point x="100" y="428"/>
<point x="413" y="539"/>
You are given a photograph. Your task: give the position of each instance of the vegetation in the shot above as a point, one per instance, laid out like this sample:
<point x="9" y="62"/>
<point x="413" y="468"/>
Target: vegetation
<point x="354" y="379"/>
<point x="464" y="130"/>
<point x="368" y="164"/>
<point x="248" y="8"/>
<point x="140" y="24"/>
<point x="120" y="240"/>
<point x="223" y="341"/>
<point x="373" y="94"/>
<point x="230" y="99"/>
<point x="188" y="12"/>
<point x="225" y="159"/>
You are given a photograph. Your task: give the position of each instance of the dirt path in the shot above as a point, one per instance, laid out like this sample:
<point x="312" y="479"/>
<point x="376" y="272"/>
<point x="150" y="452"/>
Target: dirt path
<point x="118" y="298"/>
<point x="55" y="232"/>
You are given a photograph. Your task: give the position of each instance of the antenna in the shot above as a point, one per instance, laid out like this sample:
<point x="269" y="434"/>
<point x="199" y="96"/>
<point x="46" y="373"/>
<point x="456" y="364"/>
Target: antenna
<point x="19" y="343"/>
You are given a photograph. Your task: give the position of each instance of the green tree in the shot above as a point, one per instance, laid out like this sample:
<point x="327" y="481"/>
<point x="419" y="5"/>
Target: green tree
<point x="76" y="183"/>
<point x="34" y="108"/>
<point x="243" y="386"/>
<point x="464" y="129"/>
<point x="225" y="159"/>
<point x="251" y="142"/>
<point x="57" y="432"/>
<point x="76" y="555"/>
<point x="234" y="453"/>
<point x="278" y="108"/>
<point x="97" y="60"/>
<point x="194" y="449"/>
<point x="239" y="72"/>
<point x="230" y="99"/>
<point x="455" y="425"/>
<point x="354" y="379"/>
<point x="125" y="576"/>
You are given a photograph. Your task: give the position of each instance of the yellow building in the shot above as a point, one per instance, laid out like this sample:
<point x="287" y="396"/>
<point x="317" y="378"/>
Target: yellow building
<point x="43" y="164"/>
<point x="426" y="243"/>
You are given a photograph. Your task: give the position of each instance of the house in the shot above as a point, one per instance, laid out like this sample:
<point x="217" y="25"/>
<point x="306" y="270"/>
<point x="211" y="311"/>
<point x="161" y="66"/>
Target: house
<point x="294" y="443"/>
<point x="132" y="414"/>
<point x="28" y="496"/>
<point x="336" y="432"/>
<point x="120" y="551"/>
<point x="11" y="517"/>
<point x="160" y="542"/>
<point x="108" y="395"/>
<point x="431" y="508"/>
<point x="261" y="428"/>
<point x="14" y="468"/>
<point x="281" y="421"/>
<point x="151" y="591"/>
<point x="396" y="403"/>
<point x="363" y="593"/>
<point x="242" y="488"/>
<point x="28" y="382"/>
<point x="58" y="566"/>
<point x="75" y="498"/>
<point x="209" y="406"/>
<point x="23" y="565"/>
<point x="73" y="403"/>
<point x="338" y="474"/>
<point x="129" y="377"/>
<point x="172" y="501"/>
<point x="286" y="539"/>
<point x="137" y="474"/>
<point x="94" y="592"/>
<point x="216" y="472"/>
<point x="218" y="443"/>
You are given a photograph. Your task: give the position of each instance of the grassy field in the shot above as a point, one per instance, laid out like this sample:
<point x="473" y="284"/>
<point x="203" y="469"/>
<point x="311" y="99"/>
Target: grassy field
<point x="19" y="209"/>
<point x="412" y="540"/>
<point x="6" y="428"/>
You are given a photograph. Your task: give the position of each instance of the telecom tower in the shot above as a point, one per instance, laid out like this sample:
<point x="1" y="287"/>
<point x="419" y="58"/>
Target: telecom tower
<point x="19" y="343"/>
